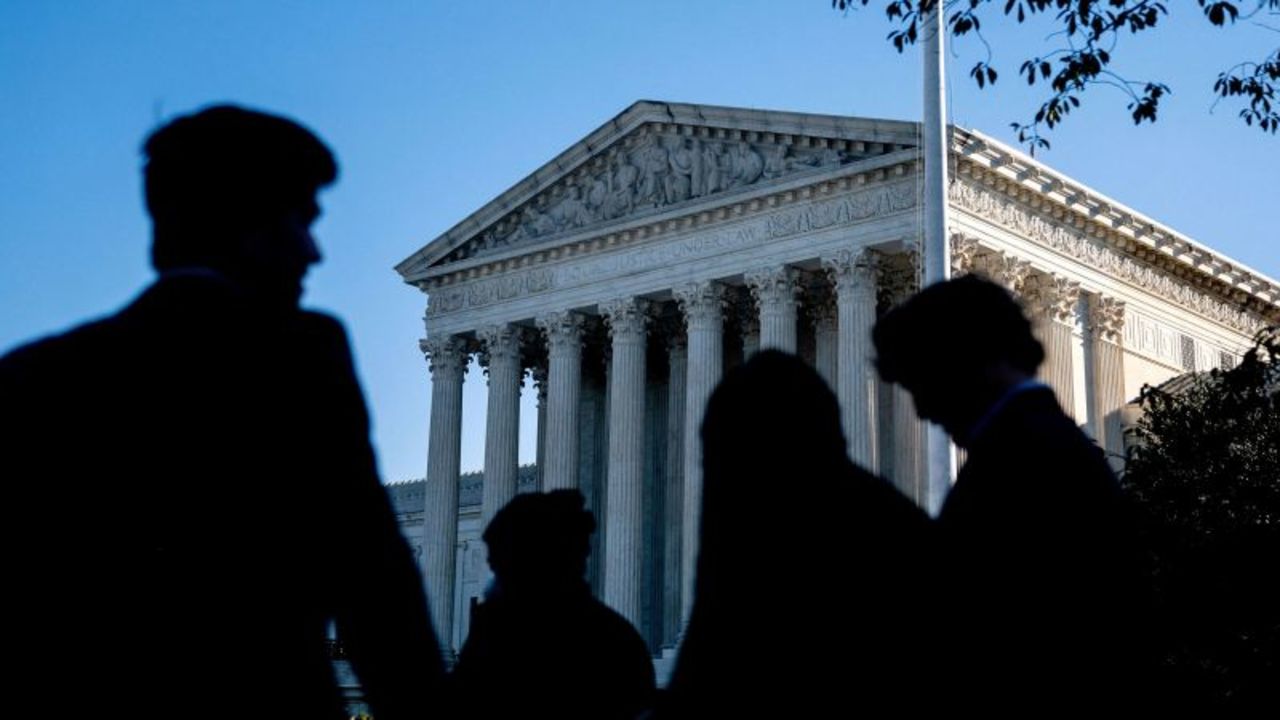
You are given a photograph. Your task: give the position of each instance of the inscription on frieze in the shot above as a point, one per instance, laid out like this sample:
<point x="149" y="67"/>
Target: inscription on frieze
<point x="810" y="217"/>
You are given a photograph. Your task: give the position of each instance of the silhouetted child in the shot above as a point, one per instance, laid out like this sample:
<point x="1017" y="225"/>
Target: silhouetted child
<point x="540" y="645"/>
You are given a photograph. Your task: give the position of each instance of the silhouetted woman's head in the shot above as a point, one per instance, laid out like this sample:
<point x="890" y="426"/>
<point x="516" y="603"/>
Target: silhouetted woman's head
<point x="769" y="414"/>
<point x="771" y="434"/>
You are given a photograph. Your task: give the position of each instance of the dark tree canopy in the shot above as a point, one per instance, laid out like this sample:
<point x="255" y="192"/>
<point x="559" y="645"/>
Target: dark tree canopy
<point x="1090" y="32"/>
<point x="1205" y="472"/>
<point x="1207" y="453"/>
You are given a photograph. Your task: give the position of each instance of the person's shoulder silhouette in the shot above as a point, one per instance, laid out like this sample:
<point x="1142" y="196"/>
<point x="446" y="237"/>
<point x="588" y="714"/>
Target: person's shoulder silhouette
<point x="540" y="644"/>
<point x="184" y="473"/>
<point x="1042" y="570"/>
<point x="809" y="567"/>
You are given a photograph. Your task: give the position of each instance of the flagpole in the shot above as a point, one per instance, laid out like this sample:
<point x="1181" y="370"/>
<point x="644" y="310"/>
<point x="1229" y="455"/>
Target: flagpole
<point x="936" y="243"/>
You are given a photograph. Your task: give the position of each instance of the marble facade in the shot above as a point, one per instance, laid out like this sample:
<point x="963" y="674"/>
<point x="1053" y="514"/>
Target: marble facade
<point x="631" y="270"/>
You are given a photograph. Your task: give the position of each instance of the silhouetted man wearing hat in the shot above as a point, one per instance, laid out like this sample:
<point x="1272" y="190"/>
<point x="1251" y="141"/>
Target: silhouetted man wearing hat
<point x="190" y="498"/>
<point x="1042" y="586"/>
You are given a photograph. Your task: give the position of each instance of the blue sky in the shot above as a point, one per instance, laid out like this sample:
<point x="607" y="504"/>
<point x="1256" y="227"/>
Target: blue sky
<point x="434" y="108"/>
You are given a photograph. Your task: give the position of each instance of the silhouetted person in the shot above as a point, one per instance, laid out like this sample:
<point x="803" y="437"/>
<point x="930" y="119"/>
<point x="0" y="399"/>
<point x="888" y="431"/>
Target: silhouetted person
<point x="540" y="645"/>
<point x="810" y="570"/>
<point x="189" y="492"/>
<point x="1043" y="593"/>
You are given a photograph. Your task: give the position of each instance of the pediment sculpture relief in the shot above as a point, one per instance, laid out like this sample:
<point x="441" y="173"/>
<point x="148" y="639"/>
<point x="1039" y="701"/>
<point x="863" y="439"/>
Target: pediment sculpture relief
<point x="663" y="169"/>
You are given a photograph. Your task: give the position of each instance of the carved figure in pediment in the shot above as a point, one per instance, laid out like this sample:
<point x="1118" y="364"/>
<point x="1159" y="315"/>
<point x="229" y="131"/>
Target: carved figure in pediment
<point x="775" y="161"/>
<point x="622" y="185"/>
<point x="543" y="224"/>
<point x="676" y="184"/>
<point x="597" y="193"/>
<point x="724" y="157"/>
<point x="711" y="179"/>
<point x="686" y="162"/>
<point x="654" y="170"/>
<point x="571" y="212"/>
<point x="747" y="164"/>
<point x="502" y="233"/>
<point x="532" y="224"/>
<point x="803" y="161"/>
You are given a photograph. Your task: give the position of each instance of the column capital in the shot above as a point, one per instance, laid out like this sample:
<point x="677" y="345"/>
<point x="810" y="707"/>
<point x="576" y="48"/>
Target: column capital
<point x="628" y="318"/>
<point x="563" y="331"/>
<point x="1004" y="269"/>
<point x="702" y="303"/>
<point x="964" y="250"/>
<point x="774" y="286"/>
<point x="499" y="343"/>
<point x="820" y="306"/>
<point x="671" y="332"/>
<point x="446" y="355"/>
<point x="1106" y="317"/>
<point x="1052" y="296"/>
<point x="899" y="277"/>
<point x="851" y="269"/>
<point x="742" y="311"/>
<point x="539" y="375"/>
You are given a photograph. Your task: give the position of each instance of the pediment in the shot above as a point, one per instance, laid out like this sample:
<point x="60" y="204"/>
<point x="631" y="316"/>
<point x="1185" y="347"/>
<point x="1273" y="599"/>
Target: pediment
<point x="652" y="158"/>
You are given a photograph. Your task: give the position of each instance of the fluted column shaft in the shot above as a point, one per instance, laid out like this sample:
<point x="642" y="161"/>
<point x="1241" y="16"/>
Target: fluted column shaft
<point x="776" y="291"/>
<point x="448" y="363"/>
<point x="826" y="334"/>
<point x="853" y="275"/>
<point x="703" y="306"/>
<point x="502" y="427"/>
<point x="748" y="319"/>
<point x="898" y="282"/>
<point x="673" y="497"/>
<point x="1106" y="325"/>
<point x="624" y="491"/>
<point x="539" y="375"/>
<point x="564" y="388"/>
<point x="1053" y="303"/>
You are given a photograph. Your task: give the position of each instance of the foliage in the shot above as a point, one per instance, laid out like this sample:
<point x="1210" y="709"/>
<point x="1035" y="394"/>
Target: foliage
<point x="1205" y="471"/>
<point x="1090" y="31"/>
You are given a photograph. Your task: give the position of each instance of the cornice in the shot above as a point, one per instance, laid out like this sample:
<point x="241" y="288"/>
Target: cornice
<point x="1014" y="174"/>
<point x="1241" y="311"/>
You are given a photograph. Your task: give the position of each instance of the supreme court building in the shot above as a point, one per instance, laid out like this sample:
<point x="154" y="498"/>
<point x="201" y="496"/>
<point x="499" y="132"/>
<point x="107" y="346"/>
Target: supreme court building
<point x="628" y="272"/>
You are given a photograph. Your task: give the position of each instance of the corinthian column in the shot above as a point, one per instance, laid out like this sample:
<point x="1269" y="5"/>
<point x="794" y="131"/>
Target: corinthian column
<point x="447" y="360"/>
<point x="539" y="375"/>
<point x="673" y="497"/>
<point x="777" y="293"/>
<point x="899" y="281"/>
<point x="564" y="386"/>
<point x="1106" y="326"/>
<point x="826" y="335"/>
<point x="624" y="491"/>
<point x="744" y="313"/>
<point x="703" y="306"/>
<point x="853" y="274"/>
<point x="501" y="355"/>
<point x="1052" y="302"/>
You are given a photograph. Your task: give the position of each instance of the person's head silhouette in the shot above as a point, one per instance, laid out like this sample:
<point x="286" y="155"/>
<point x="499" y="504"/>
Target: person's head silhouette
<point x="234" y="191"/>
<point x="540" y="541"/>
<point x="957" y="346"/>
